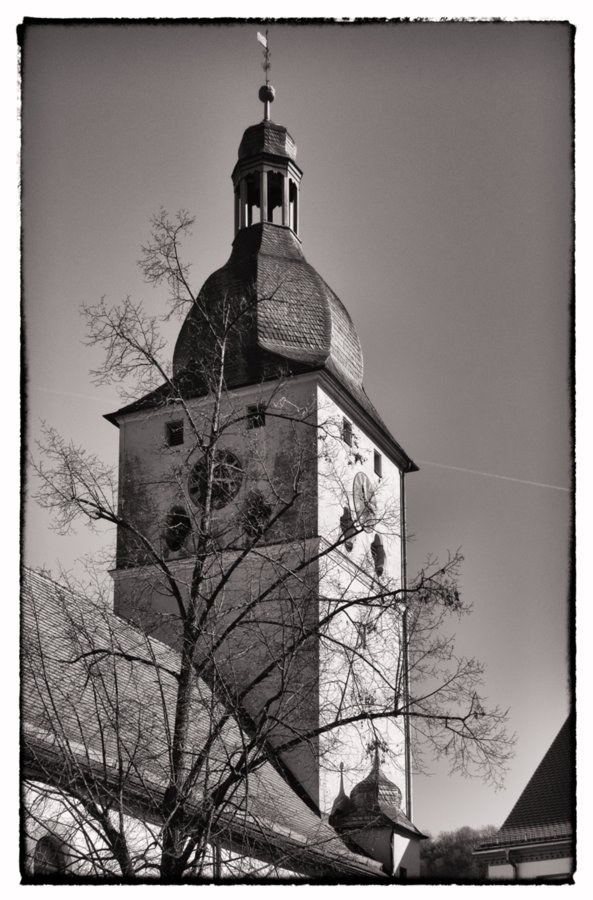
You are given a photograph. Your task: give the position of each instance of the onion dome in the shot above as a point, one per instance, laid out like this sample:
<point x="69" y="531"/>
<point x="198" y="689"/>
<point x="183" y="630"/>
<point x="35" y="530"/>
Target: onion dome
<point x="376" y="794"/>
<point x="375" y="802"/>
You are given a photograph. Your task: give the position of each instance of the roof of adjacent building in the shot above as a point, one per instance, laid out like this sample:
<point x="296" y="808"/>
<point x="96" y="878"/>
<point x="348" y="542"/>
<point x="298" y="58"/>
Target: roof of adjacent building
<point x="73" y="693"/>
<point x="374" y="802"/>
<point x="545" y="808"/>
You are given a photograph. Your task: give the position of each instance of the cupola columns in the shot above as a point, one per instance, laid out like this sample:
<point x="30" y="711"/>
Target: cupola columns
<point x="266" y="177"/>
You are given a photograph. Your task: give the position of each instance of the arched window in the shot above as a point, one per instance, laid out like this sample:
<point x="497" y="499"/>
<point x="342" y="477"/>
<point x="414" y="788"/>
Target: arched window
<point x="293" y="196"/>
<point x="275" y="194"/>
<point x="253" y="199"/>
<point x="50" y="856"/>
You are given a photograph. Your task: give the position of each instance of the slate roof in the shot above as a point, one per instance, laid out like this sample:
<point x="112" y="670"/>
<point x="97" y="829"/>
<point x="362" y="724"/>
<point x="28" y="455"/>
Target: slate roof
<point x="267" y="137"/>
<point x="68" y="725"/>
<point x="296" y="315"/>
<point x="545" y="808"/>
<point x="547" y="798"/>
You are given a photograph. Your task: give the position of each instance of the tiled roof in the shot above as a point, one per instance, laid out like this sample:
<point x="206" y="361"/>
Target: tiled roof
<point x="545" y="809"/>
<point x="68" y="715"/>
<point x="547" y="800"/>
<point x="530" y="833"/>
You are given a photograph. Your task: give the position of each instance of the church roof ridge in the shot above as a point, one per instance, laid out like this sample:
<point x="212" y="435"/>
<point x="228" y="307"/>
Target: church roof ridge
<point x="49" y="610"/>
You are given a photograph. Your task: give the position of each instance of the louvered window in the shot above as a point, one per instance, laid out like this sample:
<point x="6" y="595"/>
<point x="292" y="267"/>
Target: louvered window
<point x="174" y="434"/>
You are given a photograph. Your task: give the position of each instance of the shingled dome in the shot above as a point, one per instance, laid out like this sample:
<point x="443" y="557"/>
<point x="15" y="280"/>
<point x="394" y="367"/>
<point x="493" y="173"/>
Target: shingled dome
<point x="294" y="321"/>
<point x="267" y="137"/>
<point x="373" y="803"/>
<point x="295" y="315"/>
<point x="376" y="793"/>
<point x="289" y="318"/>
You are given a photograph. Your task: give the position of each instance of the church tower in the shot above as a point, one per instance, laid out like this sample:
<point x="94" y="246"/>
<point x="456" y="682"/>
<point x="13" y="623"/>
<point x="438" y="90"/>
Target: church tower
<point x="307" y="528"/>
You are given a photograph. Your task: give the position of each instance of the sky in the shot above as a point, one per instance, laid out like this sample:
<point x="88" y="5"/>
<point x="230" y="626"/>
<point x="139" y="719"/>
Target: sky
<point x="436" y="201"/>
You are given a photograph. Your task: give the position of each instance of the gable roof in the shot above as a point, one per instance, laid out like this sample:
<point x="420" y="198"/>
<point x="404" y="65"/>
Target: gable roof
<point x="545" y="805"/>
<point x="544" y="810"/>
<point x="83" y="709"/>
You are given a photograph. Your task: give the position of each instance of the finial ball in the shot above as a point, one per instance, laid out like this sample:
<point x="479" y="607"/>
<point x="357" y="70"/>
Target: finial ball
<point x="267" y="93"/>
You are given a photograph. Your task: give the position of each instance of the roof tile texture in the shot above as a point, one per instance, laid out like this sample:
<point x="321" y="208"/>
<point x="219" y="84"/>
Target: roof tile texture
<point x="547" y="800"/>
<point x="62" y="706"/>
<point x="295" y="314"/>
<point x="267" y="137"/>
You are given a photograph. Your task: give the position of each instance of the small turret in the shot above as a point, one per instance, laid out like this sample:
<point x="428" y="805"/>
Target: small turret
<point x="342" y="803"/>
<point x="372" y="819"/>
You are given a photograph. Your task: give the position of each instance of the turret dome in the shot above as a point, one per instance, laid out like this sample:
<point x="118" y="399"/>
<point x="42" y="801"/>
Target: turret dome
<point x="376" y="793"/>
<point x="291" y="318"/>
<point x="267" y="137"/>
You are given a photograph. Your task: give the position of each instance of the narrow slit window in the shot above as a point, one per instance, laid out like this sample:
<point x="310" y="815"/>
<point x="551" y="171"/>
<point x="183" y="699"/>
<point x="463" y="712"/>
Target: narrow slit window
<point x="174" y="434"/>
<point x="256" y="416"/>
<point x="378" y="554"/>
<point x="347" y="432"/>
<point x="378" y="464"/>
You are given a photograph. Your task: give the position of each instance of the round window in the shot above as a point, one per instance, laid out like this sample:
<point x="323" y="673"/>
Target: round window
<point x="227" y="476"/>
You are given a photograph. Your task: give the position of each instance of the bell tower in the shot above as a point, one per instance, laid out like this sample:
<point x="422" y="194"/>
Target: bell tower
<point x="306" y="475"/>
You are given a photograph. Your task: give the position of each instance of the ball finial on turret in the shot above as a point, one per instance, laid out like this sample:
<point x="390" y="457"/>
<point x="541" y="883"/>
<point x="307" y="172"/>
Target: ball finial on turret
<point x="266" y="95"/>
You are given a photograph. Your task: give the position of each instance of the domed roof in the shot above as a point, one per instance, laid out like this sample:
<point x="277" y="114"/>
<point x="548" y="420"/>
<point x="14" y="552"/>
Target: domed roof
<point x="376" y="793"/>
<point x="295" y="315"/>
<point x="373" y="803"/>
<point x="287" y="313"/>
<point x="267" y="137"/>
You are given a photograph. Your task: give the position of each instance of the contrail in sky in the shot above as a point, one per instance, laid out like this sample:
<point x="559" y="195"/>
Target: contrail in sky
<point x="553" y="487"/>
<point x="424" y="462"/>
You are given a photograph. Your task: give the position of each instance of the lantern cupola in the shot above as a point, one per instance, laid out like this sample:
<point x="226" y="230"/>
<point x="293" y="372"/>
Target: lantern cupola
<point x="266" y="178"/>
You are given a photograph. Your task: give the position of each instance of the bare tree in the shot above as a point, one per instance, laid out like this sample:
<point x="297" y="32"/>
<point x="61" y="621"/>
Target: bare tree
<point x="264" y="636"/>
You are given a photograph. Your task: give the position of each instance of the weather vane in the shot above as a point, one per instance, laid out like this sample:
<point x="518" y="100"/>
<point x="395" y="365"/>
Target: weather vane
<point x="263" y="40"/>
<point x="266" y="91"/>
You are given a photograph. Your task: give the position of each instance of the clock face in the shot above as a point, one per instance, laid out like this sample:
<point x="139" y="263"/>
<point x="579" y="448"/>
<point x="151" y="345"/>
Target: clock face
<point x="362" y="494"/>
<point x="226" y="480"/>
